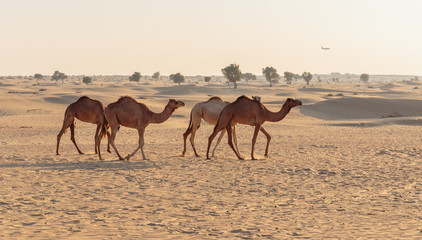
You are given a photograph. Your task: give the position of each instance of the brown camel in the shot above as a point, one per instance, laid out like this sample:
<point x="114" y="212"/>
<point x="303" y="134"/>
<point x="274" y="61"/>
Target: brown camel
<point x="130" y="113"/>
<point x="209" y="111"/>
<point x="250" y="112"/>
<point x="86" y="110"/>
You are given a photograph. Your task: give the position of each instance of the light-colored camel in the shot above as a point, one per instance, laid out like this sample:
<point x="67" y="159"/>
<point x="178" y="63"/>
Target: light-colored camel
<point x="130" y="113"/>
<point x="250" y="112"/>
<point x="209" y="111"/>
<point x="86" y="110"/>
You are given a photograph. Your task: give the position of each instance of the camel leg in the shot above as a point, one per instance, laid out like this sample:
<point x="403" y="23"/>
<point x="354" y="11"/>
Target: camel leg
<point x="192" y="141"/>
<point x="98" y="144"/>
<point x="218" y="140"/>
<point x="268" y="140"/>
<point x="97" y="131"/>
<point x="235" y="139"/>
<point x="229" y="136"/>
<point x="185" y="136"/>
<point x="111" y="140"/>
<point x="72" y="137"/>
<point x="59" y="136"/>
<point x="108" y="142"/>
<point x="66" y="123"/>
<point x="140" y="146"/>
<point x="214" y="133"/>
<point x="255" y="134"/>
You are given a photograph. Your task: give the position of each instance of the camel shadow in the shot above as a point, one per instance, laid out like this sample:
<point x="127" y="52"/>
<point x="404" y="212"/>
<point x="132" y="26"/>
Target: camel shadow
<point x="98" y="166"/>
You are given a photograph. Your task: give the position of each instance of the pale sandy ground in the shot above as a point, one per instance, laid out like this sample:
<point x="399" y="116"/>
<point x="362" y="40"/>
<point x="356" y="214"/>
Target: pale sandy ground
<point x="345" y="165"/>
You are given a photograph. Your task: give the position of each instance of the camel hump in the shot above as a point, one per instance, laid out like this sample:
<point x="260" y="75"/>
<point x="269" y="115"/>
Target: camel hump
<point x="83" y="98"/>
<point x="242" y="98"/>
<point x="214" y="98"/>
<point x="126" y="98"/>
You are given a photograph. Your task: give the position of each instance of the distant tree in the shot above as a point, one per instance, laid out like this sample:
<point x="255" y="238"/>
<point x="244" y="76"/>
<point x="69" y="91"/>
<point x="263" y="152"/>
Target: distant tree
<point x="136" y="76"/>
<point x="297" y="77"/>
<point x="207" y="79"/>
<point x="416" y="78"/>
<point x="248" y="77"/>
<point x="270" y="74"/>
<point x="177" y="78"/>
<point x="232" y="73"/>
<point x="288" y="76"/>
<point x="58" y="76"/>
<point x="156" y="75"/>
<point x="38" y="77"/>
<point x="87" y="80"/>
<point x="364" y="77"/>
<point x="307" y="76"/>
<point x="319" y="79"/>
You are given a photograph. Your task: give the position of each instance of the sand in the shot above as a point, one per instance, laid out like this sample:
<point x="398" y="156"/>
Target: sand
<point x="345" y="165"/>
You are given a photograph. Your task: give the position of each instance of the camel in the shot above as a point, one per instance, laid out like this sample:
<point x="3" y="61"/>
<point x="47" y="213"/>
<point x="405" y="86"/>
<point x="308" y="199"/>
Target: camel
<point x="86" y="110"/>
<point x="249" y="112"/>
<point x="130" y="113"/>
<point x="209" y="111"/>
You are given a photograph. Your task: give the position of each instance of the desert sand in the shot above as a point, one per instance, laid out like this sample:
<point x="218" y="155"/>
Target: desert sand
<point x="345" y="165"/>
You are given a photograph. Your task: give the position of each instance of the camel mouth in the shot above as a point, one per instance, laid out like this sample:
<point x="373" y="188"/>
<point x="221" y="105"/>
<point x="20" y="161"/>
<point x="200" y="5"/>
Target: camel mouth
<point x="182" y="104"/>
<point x="299" y="103"/>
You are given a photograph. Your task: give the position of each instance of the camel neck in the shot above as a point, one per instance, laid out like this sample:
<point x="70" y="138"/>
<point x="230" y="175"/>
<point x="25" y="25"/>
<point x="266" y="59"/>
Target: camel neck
<point x="163" y="116"/>
<point x="278" y="116"/>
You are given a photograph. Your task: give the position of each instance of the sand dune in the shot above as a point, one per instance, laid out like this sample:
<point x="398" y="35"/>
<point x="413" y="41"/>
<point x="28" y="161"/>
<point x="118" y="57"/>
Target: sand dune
<point x="361" y="108"/>
<point x="343" y="166"/>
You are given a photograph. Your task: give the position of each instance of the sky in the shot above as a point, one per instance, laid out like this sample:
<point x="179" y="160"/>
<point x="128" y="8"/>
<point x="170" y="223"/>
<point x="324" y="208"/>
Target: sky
<point x="200" y="37"/>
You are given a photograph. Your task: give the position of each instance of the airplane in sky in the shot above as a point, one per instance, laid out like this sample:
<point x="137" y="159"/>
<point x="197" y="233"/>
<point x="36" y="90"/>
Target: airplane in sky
<point x="325" y="48"/>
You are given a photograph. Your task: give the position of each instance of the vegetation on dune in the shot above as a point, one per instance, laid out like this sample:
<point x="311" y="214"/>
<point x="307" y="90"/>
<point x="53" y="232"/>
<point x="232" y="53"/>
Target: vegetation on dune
<point x="177" y="78"/>
<point x="248" y="77"/>
<point x="135" y="77"/>
<point x="289" y="77"/>
<point x="364" y="77"/>
<point x="57" y="75"/>
<point x="156" y="75"/>
<point x="307" y="76"/>
<point x="270" y="74"/>
<point x="232" y="73"/>
<point x="87" y="80"/>
<point x="38" y="77"/>
<point x="207" y="80"/>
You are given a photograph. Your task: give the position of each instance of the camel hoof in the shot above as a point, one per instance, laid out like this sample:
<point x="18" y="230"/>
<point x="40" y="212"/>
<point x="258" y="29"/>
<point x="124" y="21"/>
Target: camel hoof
<point x="196" y="155"/>
<point x="108" y="151"/>
<point x="81" y="153"/>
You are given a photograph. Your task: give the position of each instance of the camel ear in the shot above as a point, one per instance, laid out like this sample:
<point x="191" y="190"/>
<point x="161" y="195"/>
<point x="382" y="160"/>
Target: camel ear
<point x="290" y="99"/>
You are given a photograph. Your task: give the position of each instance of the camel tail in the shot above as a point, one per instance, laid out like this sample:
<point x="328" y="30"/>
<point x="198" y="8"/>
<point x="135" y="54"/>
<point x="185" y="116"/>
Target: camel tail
<point x="190" y="123"/>
<point x="64" y="121"/>
<point x="219" y="121"/>
<point x="104" y="127"/>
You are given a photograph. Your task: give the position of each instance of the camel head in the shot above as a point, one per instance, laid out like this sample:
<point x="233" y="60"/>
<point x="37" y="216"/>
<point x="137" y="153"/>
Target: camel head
<point x="290" y="102"/>
<point x="174" y="104"/>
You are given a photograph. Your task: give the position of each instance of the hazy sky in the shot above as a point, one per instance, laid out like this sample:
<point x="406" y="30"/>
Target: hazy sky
<point x="200" y="37"/>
